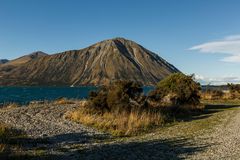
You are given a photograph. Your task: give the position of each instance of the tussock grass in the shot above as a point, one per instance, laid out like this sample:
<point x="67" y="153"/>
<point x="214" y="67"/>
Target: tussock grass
<point x="6" y="134"/>
<point x="121" y="124"/>
<point x="10" y="105"/>
<point x="3" y="137"/>
<point x="9" y="141"/>
<point x="63" y="101"/>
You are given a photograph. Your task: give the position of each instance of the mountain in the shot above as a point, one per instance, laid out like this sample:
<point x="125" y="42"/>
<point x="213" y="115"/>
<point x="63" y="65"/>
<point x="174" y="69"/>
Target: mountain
<point x="98" y="64"/>
<point x="26" y="58"/>
<point x="2" y="61"/>
<point x="9" y="66"/>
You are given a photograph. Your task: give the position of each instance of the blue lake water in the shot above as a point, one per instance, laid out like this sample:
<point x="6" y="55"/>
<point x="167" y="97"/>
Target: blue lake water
<point x="24" y="95"/>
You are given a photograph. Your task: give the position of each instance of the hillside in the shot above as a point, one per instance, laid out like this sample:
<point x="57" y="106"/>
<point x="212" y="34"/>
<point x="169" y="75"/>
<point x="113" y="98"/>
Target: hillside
<point x="9" y="65"/>
<point x="98" y="64"/>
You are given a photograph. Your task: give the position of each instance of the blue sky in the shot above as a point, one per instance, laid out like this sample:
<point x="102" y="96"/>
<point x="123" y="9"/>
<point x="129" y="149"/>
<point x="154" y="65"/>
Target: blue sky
<point x="197" y="36"/>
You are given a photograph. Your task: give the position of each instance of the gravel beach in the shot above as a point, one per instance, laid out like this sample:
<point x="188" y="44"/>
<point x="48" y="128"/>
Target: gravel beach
<point x="64" y="139"/>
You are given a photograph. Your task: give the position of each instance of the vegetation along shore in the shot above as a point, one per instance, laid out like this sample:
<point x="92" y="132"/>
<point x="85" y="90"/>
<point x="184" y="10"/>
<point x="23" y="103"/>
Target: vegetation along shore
<point x="118" y="119"/>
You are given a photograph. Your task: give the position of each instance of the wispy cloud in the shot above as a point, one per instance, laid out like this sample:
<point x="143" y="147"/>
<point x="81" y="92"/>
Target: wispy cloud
<point x="229" y="46"/>
<point x="217" y="80"/>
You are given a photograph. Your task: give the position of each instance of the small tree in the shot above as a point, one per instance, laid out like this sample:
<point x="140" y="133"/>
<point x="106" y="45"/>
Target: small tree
<point x="115" y="97"/>
<point x="121" y="93"/>
<point x="177" y="89"/>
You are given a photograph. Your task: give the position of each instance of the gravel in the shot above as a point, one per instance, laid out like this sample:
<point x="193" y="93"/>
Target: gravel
<point x="46" y="128"/>
<point x="64" y="139"/>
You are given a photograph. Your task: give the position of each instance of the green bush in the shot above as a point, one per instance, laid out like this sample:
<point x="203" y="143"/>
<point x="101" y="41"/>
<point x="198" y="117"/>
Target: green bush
<point x="115" y="97"/>
<point x="177" y="89"/>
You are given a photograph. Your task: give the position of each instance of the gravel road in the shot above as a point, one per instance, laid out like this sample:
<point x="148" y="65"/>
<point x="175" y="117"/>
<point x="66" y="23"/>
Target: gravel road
<point x="224" y="142"/>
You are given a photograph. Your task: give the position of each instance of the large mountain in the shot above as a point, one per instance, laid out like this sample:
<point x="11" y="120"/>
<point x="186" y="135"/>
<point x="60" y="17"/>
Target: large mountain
<point x="98" y="64"/>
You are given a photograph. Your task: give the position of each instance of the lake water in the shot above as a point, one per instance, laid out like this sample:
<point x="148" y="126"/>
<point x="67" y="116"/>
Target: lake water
<point x="24" y="95"/>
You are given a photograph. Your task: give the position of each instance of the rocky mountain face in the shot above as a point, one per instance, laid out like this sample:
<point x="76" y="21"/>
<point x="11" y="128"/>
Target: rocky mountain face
<point x="99" y="64"/>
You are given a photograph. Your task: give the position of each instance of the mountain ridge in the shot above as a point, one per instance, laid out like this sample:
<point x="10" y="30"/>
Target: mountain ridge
<point x="98" y="64"/>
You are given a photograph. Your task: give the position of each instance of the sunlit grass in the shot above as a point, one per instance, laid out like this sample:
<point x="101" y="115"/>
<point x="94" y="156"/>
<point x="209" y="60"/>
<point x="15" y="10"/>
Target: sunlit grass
<point x="122" y="124"/>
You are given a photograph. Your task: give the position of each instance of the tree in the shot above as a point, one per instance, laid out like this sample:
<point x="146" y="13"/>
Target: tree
<point x="177" y="89"/>
<point x="115" y="97"/>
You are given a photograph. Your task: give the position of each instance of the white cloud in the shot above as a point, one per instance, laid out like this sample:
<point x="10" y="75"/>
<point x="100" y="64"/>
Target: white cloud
<point x="217" y="80"/>
<point x="229" y="46"/>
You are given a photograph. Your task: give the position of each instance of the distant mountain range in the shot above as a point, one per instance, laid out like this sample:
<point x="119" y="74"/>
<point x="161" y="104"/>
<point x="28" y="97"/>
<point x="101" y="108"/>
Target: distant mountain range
<point x="2" y="61"/>
<point x="99" y="64"/>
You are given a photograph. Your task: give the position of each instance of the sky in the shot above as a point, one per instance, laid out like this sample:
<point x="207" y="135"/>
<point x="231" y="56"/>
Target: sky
<point x="196" y="36"/>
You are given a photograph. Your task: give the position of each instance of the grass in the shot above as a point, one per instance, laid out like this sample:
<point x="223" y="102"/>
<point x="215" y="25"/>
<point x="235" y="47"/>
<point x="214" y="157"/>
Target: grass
<point x="122" y="124"/>
<point x="137" y="123"/>
<point x="10" y="144"/>
<point x="222" y="102"/>
<point x="63" y="101"/>
<point x="197" y="126"/>
<point x="6" y="134"/>
<point x="4" y="131"/>
<point x="10" y="105"/>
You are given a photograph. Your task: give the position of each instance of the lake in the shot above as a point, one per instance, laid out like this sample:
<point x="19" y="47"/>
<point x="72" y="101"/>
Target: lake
<point x="24" y="95"/>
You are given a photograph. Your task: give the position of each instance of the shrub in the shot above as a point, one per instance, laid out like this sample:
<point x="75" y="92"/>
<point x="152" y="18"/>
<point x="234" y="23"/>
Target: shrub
<point x="234" y="87"/>
<point x="10" y="145"/>
<point x="121" y="108"/>
<point x="176" y="90"/>
<point x="118" y="109"/>
<point x="5" y="135"/>
<point x="234" y="91"/>
<point x="212" y="94"/>
<point x="116" y="97"/>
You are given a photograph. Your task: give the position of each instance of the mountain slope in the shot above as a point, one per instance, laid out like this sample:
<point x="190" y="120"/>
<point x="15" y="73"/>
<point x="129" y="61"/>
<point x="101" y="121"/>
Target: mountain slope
<point x="10" y="65"/>
<point x="98" y="64"/>
<point x="26" y="58"/>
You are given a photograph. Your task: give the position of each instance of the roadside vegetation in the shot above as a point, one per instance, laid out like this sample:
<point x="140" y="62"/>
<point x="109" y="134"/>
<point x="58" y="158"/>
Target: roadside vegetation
<point x="229" y="96"/>
<point x="8" y="142"/>
<point x="122" y="109"/>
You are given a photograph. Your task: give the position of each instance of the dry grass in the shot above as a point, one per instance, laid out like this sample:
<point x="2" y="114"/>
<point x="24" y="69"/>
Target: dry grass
<point x="122" y="124"/>
<point x="222" y="102"/>
<point x="10" y="105"/>
<point x="9" y="142"/>
<point x="63" y="101"/>
<point x="4" y="137"/>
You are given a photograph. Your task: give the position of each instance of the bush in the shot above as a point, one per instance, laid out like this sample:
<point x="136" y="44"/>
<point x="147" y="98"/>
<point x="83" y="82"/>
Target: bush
<point x="122" y="109"/>
<point x="213" y="94"/>
<point x="119" y="109"/>
<point x="234" y="88"/>
<point x="176" y="90"/>
<point x="234" y="91"/>
<point x="116" y="97"/>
